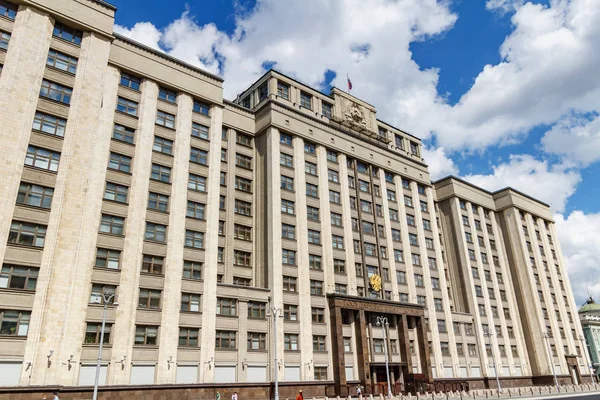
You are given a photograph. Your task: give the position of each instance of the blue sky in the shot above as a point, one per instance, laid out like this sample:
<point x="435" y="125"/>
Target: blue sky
<point x="503" y="92"/>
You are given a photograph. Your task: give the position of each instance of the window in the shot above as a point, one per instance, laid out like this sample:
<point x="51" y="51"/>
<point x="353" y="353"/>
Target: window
<point x="419" y="280"/>
<point x="333" y="176"/>
<point x="393" y="215"/>
<point x="426" y="224"/>
<point x="410" y="220"/>
<point x="290" y="312"/>
<point x="197" y="182"/>
<point x="226" y="306"/>
<point x="334" y="197"/>
<point x="190" y="302"/>
<point x="107" y="258"/>
<point x="288" y="231"/>
<point x="121" y="133"/>
<point x="242" y="258"/>
<point x="314" y="262"/>
<point x="8" y="10"/>
<point x="336" y="219"/>
<point x="192" y="270"/>
<point x="482" y="311"/>
<point x="18" y="277"/>
<point x="198" y="156"/>
<point x="61" y="61"/>
<point x="163" y="145"/>
<point x="305" y="100"/>
<point x="188" y="337"/>
<point x="285" y="139"/>
<point x="412" y="239"/>
<point x="429" y="243"/>
<point x="149" y="299"/>
<point x="195" y="210"/>
<point x="414" y="149"/>
<point x="146" y="335"/>
<point x="332" y="156"/>
<point x="435" y="283"/>
<point x="127" y="106"/>
<point x="287" y="183"/>
<point x="319" y="343"/>
<point x="167" y="95"/>
<point x="27" y="234"/>
<point x="243" y="140"/>
<point x="41" y="158"/>
<point x="318" y="315"/>
<point x="201" y="107"/>
<point x="316" y="288"/>
<point x="286" y="160"/>
<point x="366" y="206"/>
<point x="155" y="232"/>
<point x="357" y="247"/>
<point x="310" y="168"/>
<point x="288" y="257"/>
<point x="472" y="350"/>
<point x="243" y="208"/>
<point x="401" y="277"/>
<point x="165" y="119"/>
<point x="472" y="255"/>
<point x="408" y="201"/>
<point x="283" y="90"/>
<point x="4" y="39"/>
<point x="256" y="309"/>
<point x="152" y="264"/>
<point x="194" y="239"/>
<point x="395" y="235"/>
<point x="159" y="202"/>
<point x="200" y="131"/>
<point x="337" y="242"/>
<point x="327" y="110"/>
<point x="130" y="81"/>
<point x="289" y="284"/>
<point x="35" y="195"/>
<point x="312" y="190"/>
<point x="314" y="237"/>
<point x="468" y="237"/>
<point x="339" y="266"/>
<point x="112" y="224"/>
<point x="398" y="255"/>
<point x="49" y="124"/>
<point x="243" y="184"/>
<point x="225" y="340"/>
<point x="14" y="323"/>
<point x="93" y="333"/>
<point x="424" y="206"/>
<point x="242" y="232"/>
<point x="160" y="173"/>
<point x="257" y="341"/>
<point x="290" y="341"/>
<point x="475" y="272"/>
<point x="67" y="33"/>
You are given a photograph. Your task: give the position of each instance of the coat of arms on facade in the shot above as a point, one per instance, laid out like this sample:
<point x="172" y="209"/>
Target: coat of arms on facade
<point x="355" y="114"/>
<point x="375" y="282"/>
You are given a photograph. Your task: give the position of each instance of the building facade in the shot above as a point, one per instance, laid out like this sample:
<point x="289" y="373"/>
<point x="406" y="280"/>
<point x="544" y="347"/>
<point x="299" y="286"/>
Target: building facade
<point x="127" y="173"/>
<point x="589" y="314"/>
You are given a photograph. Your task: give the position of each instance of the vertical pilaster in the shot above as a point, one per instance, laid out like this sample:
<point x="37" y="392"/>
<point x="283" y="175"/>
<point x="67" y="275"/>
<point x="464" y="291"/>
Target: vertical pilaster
<point x="347" y="221"/>
<point x="424" y="350"/>
<point x="389" y="243"/>
<point x="171" y="297"/>
<point x="211" y="239"/>
<point x="406" y="252"/>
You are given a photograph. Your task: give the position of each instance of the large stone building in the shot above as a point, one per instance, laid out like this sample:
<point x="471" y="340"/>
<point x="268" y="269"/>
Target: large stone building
<point x="589" y="314"/>
<point x="126" y="172"/>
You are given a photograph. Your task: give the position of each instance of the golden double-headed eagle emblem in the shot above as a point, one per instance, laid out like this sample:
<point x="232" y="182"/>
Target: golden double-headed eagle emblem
<point x="375" y="281"/>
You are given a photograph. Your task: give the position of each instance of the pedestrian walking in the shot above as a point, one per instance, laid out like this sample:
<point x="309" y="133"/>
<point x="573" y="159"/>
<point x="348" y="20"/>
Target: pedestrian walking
<point x="300" y="396"/>
<point x="358" y="391"/>
<point x="234" y="396"/>
<point x="55" y="394"/>
<point x="218" y="397"/>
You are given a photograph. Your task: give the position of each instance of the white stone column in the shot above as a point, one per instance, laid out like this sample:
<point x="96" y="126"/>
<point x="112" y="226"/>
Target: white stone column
<point x="389" y="243"/>
<point x="171" y="295"/>
<point x="406" y="252"/>
<point x="304" y="300"/>
<point x="347" y="221"/>
<point x="22" y="74"/>
<point x="123" y="332"/>
<point x="274" y="252"/>
<point x="73" y="225"/>
<point x="211" y="243"/>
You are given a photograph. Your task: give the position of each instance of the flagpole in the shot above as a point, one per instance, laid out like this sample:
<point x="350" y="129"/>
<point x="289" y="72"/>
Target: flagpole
<point x="347" y="85"/>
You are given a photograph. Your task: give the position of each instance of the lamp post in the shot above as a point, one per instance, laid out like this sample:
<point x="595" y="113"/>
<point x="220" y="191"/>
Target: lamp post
<point x="547" y="338"/>
<point x="584" y="349"/>
<point x="383" y="322"/>
<point x="489" y="335"/>
<point x="106" y="298"/>
<point x="275" y="312"/>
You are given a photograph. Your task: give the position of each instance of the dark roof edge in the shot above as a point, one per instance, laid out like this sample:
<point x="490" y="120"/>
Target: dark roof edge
<point x="456" y="178"/>
<point x="106" y="4"/>
<point x="168" y="57"/>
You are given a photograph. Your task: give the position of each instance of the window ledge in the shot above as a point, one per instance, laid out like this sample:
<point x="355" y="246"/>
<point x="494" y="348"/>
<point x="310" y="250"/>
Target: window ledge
<point x="33" y="207"/>
<point x="16" y="290"/>
<point x="25" y="246"/>
<point x="155" y="180"/>
<point x="96" y="345"/>
<point x="13" y="337"/>
<point x="47" y="134"/>
<point x="40" y="169"/>
<point x="67" y="73"/>
<point x="127" y="114"/>
<point x="67" y="41"/>
<point x="154" y="241"/>
<point x="165" y="127"/>
<point x="164" y="154"/>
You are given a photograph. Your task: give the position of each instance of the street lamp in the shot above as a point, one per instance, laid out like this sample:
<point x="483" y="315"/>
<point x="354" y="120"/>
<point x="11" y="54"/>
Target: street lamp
<point x="383" y="322"/>
<point x="584" y="349"/>
<point x="275" y="312"/>
<point x="489" y="335"/>
<point x="547" y="338"/>
<point x="106" y="298"/>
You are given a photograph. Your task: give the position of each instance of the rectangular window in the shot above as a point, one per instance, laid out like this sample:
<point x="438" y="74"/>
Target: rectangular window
<point x="198" y="156"/>
<point x="283" y="90"/>
<point x="127" y="106"/>
<point x="226" y="306"/>
<point x="314" y="237"/>
<point x="200" y="107"/>
<point x="160" y="173"/>
<point x="316" y="288"/>
<point x="243" y="161"/>
<point x="225" y="340"/>
<point x="14" y="323"/>
<point x="337" y="242"/>
<point x="146" y="335"/>
<point x="336" y="219"/>
<point x="188" y="337"/>
<point x="49" y="124"/>
<point x="398" y="255"/>
<point x="419" y="280"/>
<point x="42" y="158"/>
<point x="18" y="277"/>
<point x="243" y="208"/>
<point x="61" y="61"/>
<point x="290" y="342"/>
<point x="327" y="110"/>
<point x="190" y="302"/>
<point x="67" y="33"/>
<point x="426" y="224"/>
<point x="256" y="309"/>
<point x="310" y="168"/>
<point x="192" y="270"/>
<point x="289" y="284"/>
<point x="242" y="232"/>
<point x="195" y="210"/>
<point x="257" y="341"/>
<point x="333" y="176"/>
<point x="306" y="100"/>
<point x="35" y="195"/>
<point x="200" y="131"/>
<point x="155" y="232"/>
<point x="149" y="299"/>
<point x="435" y="283"/>
<point x="393" y="215"/>
<point x="112" y="224"/>
<point x="107" y="258"/>
<point x="339" y="267"/>
<point x="8" y="10"/>
<point x="334" y="197"/>
<point x="288" y="257"/>
<point x="197" y="182"/>
<point x="158" y="202"/>
<point x="288" y="231"/>
<point x="27" y="234"/>
<point x="4" y="39"/>
<point x="286" y="160"/>
<point x="167" y="95"/>
<point x="243" y="140"/>
<point x="319" y="343"/>
<point x="287" y="183"/>
<point x="285" y="139"/>
<point x="93" y="333"/>
<point x="318" y="315"/>
<point x="131" y="82"/>
<point x="194" y="239"/>
<point x="410" y="220"/>
<point x="312" y="190"/>
<point x="123" y="133"/>
<point x="287" y="207"/>
<point x="165" y="119"/>
<point x="290" y="312"/>
<point x="163" y="145"/>
<point x="314" y="262"/>
<point x="153" y="264"/>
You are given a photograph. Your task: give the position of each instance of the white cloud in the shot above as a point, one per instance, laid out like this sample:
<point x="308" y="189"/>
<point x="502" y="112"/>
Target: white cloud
<point x="440" y="165"/>
<point x="142" y="32"/>
<point x="579" y="236"/>
<point x="578" y="139"/>
<point x="551" y="183"/>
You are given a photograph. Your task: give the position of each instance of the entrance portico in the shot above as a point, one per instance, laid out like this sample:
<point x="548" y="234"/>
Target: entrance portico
<point x="359" y="311"/>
